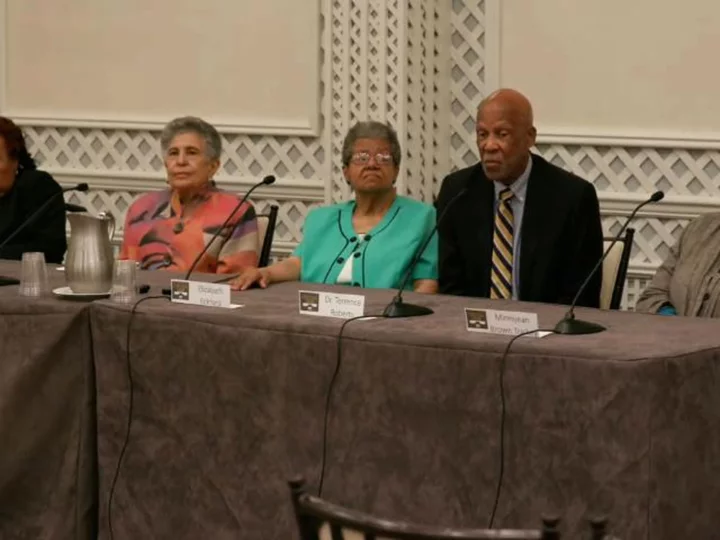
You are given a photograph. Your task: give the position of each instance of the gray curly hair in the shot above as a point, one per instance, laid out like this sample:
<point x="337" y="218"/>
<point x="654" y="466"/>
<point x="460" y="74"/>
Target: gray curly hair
<point x="371" y="130"/>
<point x="192" y="124"/>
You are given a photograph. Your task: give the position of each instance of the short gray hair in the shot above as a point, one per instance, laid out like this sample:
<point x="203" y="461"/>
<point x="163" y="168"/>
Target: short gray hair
<point x="192" y="124"/>
<point x="371" y="130"/>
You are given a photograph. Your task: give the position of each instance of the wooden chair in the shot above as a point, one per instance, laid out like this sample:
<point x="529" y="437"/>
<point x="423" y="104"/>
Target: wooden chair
<point x="615" y="271"/>
<point x="266" y="231"/>
<point x="321" y="520"/>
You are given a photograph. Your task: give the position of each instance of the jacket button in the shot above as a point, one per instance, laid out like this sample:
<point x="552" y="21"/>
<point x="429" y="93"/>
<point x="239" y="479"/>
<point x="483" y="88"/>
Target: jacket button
<point x="357" y="254"/>
<point x="367" y="237"/>
<point x="340" y="260"/>
<point x="353" y="239"/>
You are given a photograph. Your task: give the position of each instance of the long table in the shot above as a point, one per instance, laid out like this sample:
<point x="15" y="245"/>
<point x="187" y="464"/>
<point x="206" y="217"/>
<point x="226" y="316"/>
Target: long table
<point x="48" y="465"/>
<point x="228" y="404"/>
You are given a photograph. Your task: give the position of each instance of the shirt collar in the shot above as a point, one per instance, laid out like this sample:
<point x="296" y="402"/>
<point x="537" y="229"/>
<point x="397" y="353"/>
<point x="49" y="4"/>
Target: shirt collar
<point x="519" y="186"/>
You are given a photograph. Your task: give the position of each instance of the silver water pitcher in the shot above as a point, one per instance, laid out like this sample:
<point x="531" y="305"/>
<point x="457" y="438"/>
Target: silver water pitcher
<point x="89" y="260"/>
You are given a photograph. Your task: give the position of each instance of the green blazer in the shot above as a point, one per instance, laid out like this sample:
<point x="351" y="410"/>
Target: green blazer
<point x="384" y="254"/>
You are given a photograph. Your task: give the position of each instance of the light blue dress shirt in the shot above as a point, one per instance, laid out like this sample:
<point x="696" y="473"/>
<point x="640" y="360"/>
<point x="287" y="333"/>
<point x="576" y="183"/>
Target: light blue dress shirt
<point x="519" y="189"/>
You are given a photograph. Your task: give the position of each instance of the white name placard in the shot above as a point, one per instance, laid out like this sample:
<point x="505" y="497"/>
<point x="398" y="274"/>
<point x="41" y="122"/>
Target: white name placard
<point x="492" y="321"/>
<point x="324" y="304"/>
<point x="201" y="294"/>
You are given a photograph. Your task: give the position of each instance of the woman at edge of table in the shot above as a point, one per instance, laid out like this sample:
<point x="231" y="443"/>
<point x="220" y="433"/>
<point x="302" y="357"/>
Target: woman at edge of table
<point x="688" y="281"/>
<point x="167" y="229"/>
<point x="24" y="189"/>
<point x="367" y="242"/>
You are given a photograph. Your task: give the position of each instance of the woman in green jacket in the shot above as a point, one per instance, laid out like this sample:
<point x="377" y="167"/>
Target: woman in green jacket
<point x="370" y="241"/>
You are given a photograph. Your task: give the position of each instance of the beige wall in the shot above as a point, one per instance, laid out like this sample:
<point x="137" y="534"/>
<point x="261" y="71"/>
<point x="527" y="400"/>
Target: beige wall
<point x="645" y="68"/>
<point x="245" y="65"/>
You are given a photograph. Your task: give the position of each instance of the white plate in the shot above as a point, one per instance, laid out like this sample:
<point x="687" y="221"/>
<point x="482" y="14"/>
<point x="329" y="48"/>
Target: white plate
<point x="67" y="292"/>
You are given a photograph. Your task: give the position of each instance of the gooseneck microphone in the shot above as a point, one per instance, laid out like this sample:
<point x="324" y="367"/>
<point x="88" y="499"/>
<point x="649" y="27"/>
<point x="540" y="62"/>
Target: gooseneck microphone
<point x="569" y="324"/>
<point x="270" y="179"/>
<point x="39" y="211"/>
<point x="397" y="308"/>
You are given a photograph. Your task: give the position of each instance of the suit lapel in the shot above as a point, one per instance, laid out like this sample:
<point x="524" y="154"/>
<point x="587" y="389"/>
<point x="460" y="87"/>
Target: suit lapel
<point x="537" y="214"/>
<point x="481" y="198"/>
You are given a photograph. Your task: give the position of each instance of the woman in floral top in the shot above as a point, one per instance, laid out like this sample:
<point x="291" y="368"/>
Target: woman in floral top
<point x="168" y="229"/>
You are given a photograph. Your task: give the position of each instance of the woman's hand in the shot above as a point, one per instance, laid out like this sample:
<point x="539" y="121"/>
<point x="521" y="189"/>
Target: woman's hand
<point x="427" y="286"/>
<point x="250" y="276"/>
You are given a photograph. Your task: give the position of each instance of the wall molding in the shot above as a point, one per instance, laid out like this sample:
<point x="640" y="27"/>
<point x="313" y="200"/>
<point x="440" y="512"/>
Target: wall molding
<point x="628" y="138"/>
<point x="260" y="126"/>
<point x="283" y="189"/>
<point x="671" y="207"/>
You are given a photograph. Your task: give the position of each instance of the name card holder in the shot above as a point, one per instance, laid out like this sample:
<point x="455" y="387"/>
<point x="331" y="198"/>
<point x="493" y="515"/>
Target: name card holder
<point x="200" y="293"/>
<point x="508" y="323"/>
<point x="324" y="304"/>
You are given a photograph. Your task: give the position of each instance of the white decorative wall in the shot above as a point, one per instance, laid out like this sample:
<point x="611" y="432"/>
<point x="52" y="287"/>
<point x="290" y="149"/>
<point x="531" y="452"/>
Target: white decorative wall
<point x="423" y="66"/>
<point x="551" y="49"/>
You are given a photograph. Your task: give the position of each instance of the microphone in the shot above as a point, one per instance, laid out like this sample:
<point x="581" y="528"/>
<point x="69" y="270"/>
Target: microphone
<point x="569" y="324"/>
<point x="397" y="308"/>
<point x="270" y="179"/>
<point x="39" y="211"/>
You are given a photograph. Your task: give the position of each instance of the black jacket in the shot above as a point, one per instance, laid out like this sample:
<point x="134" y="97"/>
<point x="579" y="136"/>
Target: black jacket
<point x="561" y="235"/>
<point x="32" y="189"/>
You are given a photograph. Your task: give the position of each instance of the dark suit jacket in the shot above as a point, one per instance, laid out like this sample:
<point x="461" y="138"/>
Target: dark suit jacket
<point x="561" y="235"/>
<point x="46" y="233"/>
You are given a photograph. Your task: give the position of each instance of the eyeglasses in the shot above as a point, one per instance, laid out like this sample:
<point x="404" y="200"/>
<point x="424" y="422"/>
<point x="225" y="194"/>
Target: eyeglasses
<point x="363" y="158"/>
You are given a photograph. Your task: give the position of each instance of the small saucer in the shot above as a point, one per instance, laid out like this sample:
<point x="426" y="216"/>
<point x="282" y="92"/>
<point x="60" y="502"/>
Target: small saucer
<point x="67" y="292"/>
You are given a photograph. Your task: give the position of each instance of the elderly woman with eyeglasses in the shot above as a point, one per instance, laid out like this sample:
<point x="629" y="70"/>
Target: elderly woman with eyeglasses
<point x="168" y="229"/>
<point x="370" y="241"/>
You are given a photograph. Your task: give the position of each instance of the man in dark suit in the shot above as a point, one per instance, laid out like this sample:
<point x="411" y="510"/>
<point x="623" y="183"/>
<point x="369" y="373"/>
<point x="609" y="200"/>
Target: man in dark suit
<point x="522" y="228"/>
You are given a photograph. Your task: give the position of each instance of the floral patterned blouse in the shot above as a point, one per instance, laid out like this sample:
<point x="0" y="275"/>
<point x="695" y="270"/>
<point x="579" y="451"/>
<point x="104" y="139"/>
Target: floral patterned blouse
<point x="161" y="233"/>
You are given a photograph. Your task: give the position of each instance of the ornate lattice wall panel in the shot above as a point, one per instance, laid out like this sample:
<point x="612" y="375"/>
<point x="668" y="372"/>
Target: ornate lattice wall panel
<point x="653" y="238"/>
<point x="634" y="286"/>
<point x="467" y="77"/>
<point x="641" y="170"/>
<point x="95" y="151"/>
<point x="367" y="73"/>
<point x="426" y="108"/>
<point x="387" y="59"/>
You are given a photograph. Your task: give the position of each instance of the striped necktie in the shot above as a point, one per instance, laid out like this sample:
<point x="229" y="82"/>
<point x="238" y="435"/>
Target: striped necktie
<point x="502" y="255"/>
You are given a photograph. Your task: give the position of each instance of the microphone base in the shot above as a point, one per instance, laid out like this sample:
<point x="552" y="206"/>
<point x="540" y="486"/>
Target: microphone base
<point x="396" y="310"/>
<point x="8" y="281"/>
<point x="576" y="327"/>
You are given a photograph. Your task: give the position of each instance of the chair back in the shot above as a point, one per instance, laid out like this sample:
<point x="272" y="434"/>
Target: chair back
<point x="320" y="520"/>
<point x="70" y="207"/>
<point x="266" y="231"/>
<point x="614" y="270"/>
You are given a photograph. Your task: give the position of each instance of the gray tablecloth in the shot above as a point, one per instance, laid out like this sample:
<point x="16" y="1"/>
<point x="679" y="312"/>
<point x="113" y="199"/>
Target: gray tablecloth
<point x="47" y="417"/>
<point x="228" y="404"/>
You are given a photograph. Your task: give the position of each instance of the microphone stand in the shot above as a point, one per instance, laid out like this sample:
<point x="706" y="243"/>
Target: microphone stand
<point x="569" y="325"/>
<point x="270" y="179"/>
<point x="397" y="308"/>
